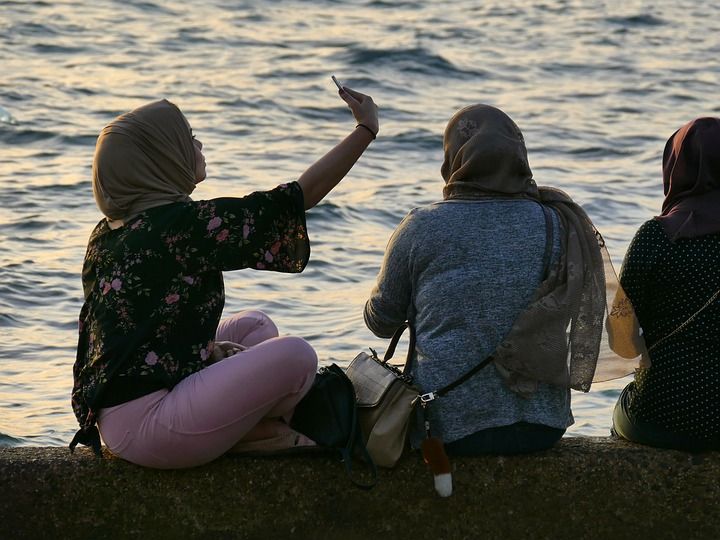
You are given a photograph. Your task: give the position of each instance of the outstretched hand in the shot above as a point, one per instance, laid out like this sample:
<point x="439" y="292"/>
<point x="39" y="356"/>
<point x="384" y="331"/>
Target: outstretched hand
<point x="323" y="175"/>
<point x="363" y="108"/>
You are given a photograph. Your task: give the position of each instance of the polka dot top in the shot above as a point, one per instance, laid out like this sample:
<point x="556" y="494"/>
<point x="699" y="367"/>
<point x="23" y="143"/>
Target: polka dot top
<point x="668" y="282"/>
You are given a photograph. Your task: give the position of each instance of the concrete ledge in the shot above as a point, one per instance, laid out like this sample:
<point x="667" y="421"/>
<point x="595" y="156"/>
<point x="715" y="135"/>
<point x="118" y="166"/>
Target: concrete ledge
<point x="584" y="488"/>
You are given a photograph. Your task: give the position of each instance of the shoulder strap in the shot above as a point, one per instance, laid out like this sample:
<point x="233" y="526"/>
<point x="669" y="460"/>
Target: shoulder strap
<point x="445" y="389"/>
<point x="688" y="321"/>
<point x="549" y="234"/>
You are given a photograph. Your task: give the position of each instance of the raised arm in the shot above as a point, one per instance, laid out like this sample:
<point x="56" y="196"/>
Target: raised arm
<point x="323" y="175"/>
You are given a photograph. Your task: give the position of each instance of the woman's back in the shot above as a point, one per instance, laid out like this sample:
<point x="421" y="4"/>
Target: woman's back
<point x="671" y="276"/>
<point x="471" y="267"/>
<point x="667" y="283"/>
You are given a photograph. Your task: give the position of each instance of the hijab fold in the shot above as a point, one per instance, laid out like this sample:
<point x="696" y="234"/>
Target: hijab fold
<point x="691" y="180"/>
<point x="144" y="158"/>
<point x="560" y="337"/>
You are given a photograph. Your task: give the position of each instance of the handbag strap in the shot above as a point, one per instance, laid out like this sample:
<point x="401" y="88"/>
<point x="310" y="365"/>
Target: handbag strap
<point x="356" y="445"/>
<point x="688" y="321"/>
<point x="394" y="342"/>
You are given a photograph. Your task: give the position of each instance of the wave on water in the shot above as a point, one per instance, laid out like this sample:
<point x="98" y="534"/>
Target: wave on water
<point x="392" y="5"/>
<point x="417" y="60"/>
<point x="636" y="20"/>
<point x="24" y="136"/>
<point x="33" y="29"/>
<point x="145" y="6"/>
<point x="596" y="90"/>
<point x="7" y="441"/>
<point x="45" y="48"/>
<point x="8" y="321"/>
<point x="420" y="139"/>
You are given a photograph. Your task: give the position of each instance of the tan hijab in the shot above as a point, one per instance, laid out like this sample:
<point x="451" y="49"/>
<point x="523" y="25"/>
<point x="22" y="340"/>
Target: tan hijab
<point x="560" y="336"/>
<point x="144" y="158"/>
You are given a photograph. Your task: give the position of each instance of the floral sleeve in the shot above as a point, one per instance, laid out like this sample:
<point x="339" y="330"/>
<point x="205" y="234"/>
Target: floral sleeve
<point x="265" y="230"/>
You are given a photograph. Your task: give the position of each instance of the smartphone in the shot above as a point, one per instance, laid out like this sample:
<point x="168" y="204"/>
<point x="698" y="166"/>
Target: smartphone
<point x="336" y="82"/>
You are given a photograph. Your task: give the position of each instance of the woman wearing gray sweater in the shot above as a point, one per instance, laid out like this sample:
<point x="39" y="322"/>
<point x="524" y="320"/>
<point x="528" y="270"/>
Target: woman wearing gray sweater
<point x="498" y="267"/>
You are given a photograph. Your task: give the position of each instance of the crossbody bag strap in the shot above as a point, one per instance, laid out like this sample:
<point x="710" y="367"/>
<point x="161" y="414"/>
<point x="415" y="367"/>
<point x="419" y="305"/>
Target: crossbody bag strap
<point x="356" y="444"/>
<point x="688" y="321"/>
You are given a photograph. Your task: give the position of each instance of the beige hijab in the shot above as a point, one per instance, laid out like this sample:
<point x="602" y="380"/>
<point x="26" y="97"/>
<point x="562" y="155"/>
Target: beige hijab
<point x="144" y="158"/>
<point x="560" y="337"/>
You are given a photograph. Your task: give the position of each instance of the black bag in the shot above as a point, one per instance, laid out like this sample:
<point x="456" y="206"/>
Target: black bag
<point x="328" y="415"/>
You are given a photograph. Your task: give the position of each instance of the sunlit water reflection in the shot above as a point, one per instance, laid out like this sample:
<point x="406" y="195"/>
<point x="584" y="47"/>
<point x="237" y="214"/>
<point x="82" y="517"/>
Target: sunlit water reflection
<point x="596" y="87"/>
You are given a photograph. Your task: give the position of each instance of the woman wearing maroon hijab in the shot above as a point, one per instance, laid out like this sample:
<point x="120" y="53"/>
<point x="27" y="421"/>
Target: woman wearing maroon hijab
<point x="671" y="273"/>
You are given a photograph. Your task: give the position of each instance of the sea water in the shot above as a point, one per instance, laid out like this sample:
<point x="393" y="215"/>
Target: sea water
<point x="596" y="87"/>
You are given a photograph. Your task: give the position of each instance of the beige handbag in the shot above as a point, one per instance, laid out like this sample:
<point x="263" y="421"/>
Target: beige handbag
<point x="386" y="399"/>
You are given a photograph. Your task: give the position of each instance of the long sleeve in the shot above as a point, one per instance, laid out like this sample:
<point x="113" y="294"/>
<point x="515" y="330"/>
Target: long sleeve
<point x="389" y="303"/>
<point x="263" y="231"/>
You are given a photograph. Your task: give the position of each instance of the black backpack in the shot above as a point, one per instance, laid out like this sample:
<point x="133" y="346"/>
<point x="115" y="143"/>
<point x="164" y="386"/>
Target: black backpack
<point x="328" y="415"/>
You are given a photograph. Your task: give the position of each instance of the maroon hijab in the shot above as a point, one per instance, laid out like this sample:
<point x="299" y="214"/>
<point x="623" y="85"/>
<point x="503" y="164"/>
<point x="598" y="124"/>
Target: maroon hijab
<point x="691" y="178"/>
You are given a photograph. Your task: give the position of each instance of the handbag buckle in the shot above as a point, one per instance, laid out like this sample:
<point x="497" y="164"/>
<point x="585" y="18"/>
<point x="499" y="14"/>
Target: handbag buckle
<point x="427" y="398"/>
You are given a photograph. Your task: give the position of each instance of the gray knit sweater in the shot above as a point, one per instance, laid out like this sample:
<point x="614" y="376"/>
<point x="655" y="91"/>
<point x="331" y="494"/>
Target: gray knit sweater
<point x="460" y="272"/>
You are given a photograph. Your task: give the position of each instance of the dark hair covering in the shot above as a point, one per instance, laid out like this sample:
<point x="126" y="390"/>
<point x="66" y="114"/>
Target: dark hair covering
<point x="485" y="154"/>
<point x="691" y="179"/>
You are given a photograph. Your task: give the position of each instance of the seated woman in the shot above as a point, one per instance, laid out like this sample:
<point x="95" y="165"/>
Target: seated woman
<point x="167" y="383"/>
<point x="499" y="267"/>
<point x="670" y="273"/>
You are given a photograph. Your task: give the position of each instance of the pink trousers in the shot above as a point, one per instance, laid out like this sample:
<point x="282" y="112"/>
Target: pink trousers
<point x="241" y="402"/>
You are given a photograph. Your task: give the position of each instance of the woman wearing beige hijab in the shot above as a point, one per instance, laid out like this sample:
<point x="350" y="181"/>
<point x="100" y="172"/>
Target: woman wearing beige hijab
<point x="498" y="269"/>
<point x="166" y="382"/>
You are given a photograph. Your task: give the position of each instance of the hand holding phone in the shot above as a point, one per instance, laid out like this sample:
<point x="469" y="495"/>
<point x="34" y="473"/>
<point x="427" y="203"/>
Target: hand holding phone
<point x="363" y="107"/>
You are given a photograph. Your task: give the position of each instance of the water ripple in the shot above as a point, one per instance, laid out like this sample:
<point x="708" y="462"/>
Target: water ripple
<point x="8" y="441"/>
<point x="595" y="90"/>
<point x="416" y="60"/>
<point x="637" y="20"/>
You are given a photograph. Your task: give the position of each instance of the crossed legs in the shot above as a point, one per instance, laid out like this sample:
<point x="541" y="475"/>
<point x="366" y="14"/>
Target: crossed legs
<point x="240" y="403"/>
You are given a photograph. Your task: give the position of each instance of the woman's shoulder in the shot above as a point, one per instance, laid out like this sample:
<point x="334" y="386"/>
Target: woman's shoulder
<point x="459" y="211"/>
<point x="651" y="232"/>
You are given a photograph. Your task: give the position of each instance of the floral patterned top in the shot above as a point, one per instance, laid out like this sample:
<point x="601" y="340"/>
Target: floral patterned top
<point x="154" y="290"/>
